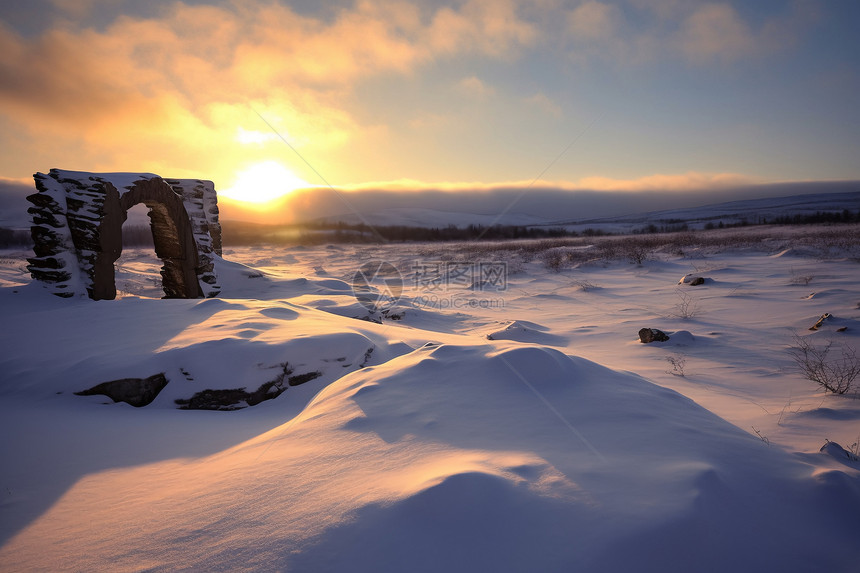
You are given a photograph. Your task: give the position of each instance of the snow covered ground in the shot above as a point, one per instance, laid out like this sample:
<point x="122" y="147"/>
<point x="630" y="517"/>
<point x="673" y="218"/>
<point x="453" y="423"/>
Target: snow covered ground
<point x="496" y="418"/>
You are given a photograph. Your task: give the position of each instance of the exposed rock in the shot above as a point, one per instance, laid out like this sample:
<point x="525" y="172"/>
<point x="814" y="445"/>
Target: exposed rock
<point x="300" y="379"/>
<point x="647" y="335"/>
<point x="135" y="391"/>
<point x="692" y="280"/>
<point x="820" y="321"/>
<point x="227" y="399"/>
<point x="238" y="398"/>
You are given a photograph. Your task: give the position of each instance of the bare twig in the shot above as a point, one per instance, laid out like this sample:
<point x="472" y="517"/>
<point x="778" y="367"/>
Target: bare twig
<point x="762" y="437"/>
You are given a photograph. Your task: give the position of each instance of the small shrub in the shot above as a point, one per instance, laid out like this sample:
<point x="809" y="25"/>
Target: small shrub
<point x="678" y="363"/>
<point x="801" y="278"/>
<point x="553" y="260"/>
<point x="607" y="250"/>
<point x="637" y="250"/>
<point x="835" y="375"/>
<point x="686" y="307"/>
<point x="854" y="449"/>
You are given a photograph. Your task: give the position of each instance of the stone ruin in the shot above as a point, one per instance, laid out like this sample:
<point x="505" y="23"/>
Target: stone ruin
<point x="77" y="231"/>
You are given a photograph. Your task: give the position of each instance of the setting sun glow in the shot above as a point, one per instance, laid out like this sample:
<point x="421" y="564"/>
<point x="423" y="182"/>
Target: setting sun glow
<point x="263" y="182"/>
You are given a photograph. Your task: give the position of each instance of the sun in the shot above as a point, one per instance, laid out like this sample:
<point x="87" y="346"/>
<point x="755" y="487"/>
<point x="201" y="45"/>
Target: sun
<point x="263" y="182"/>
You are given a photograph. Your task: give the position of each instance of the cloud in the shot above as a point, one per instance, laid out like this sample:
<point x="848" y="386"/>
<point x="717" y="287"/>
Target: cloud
<point x="593" y="21"/>
<point x="169" y="92"/>
<point x="545" y="104"/>
<point x="663" y="9"/>
<point x="553" y="201"/>
<point x="473" y="87"/>
<point x="717" y="32"/>
<point x="670" y="182"/>
<point x="700" y="33"/>
<point x="692" y="181"/>
<point x="177" y="91"/>
<point x="491" y="27"/>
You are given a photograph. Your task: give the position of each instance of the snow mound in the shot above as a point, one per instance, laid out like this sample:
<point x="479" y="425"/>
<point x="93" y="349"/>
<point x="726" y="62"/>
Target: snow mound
<point x="544" y="431"/>
<point x="467" y="458"/>
<point x="834" y="450"/>
<point x="524" y="331"/>
<point x="681" y="338"/>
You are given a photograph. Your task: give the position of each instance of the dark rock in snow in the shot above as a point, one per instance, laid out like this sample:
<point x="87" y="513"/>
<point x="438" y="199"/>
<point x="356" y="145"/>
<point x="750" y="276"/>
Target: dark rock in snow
<point x="820" y="321"/>
<point x="238" y="398"/>
<point x="838" y="452"/>
<point x="224" y="399"/>
<point x="135" y="391"/>
<point x="692" y="280"/>
<point x="647" y="335"/>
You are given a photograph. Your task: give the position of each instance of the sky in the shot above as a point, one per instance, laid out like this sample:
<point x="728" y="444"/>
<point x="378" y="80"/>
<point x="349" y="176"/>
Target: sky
<point x="476" y="94"/>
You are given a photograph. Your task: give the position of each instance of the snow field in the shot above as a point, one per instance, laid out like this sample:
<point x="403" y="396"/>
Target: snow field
<point x="535" y="435"/>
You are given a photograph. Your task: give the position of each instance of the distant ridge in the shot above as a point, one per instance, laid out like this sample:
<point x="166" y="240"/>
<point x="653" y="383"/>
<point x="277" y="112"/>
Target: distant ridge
<point x="429" y="218"/>
<point x="750" y="211"/>
<point x="728" y="213"/>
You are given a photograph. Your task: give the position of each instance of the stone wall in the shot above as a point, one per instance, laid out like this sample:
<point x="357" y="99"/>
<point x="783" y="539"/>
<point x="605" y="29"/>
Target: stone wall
<point x="77" y="231"/>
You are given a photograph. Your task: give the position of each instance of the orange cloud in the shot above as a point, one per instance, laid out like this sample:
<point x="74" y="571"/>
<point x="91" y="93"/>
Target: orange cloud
<point x="473" y="87"/>
<point x="179" y="93"/>
<point x="717" y="32"/>
<point x="673" y="182"/>
<point x="542" y="102"/>
<point x="594" y="21"/>
<point x="541" y="197"/>
<point x="660" y="182"/>
<point x="698" y="32"/>
<point x="168" y="94"/>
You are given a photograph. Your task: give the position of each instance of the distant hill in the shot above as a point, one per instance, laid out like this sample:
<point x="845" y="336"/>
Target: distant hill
<point x="752" y="211"/>
<point x="430" y="218"/>
<point x="729" y="213"/>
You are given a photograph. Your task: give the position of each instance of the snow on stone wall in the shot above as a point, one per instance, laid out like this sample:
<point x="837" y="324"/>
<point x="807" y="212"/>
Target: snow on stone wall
<point x="202" y="206"/>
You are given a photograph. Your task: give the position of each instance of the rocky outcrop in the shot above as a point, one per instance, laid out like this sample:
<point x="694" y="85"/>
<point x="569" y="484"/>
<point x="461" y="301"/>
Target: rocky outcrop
<point x="648" y="335"/>
<point x="237" y="398"/>
<point x="135" y="391"/>
<point x="820" y="321"/>
<point x="77" y="231"/>
<point x="692" y="280"/>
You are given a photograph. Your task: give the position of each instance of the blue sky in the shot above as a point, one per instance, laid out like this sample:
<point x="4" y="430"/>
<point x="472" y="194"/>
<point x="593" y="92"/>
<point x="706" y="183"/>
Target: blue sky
<point x="642" y="94"/>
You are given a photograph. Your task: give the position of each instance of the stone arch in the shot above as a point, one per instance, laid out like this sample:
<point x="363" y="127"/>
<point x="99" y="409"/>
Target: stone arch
<point x="172" y="235"/>
<point x="77" y="231"/>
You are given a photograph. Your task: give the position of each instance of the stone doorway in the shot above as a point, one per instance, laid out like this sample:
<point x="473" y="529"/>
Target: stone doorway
<point x="77" y="231"/>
